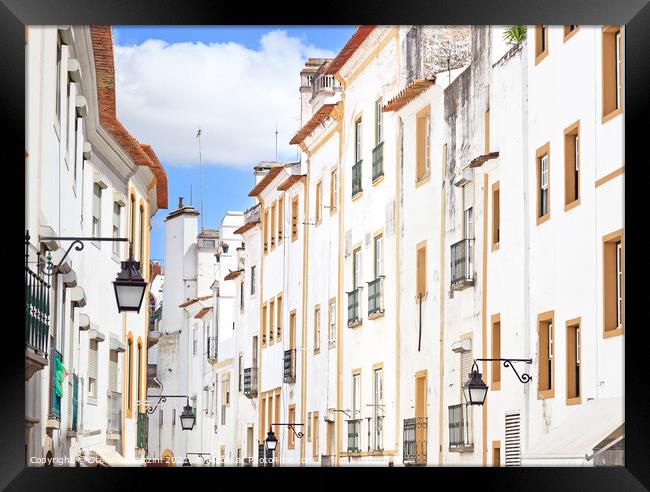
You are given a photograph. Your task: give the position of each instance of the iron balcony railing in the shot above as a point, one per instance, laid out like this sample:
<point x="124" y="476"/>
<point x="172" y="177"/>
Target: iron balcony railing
<point x="415" y="441"/>
<point x="290" y="366"/>
<point x="378" y="161"/>
<point x="143" y="430"/>
<point x="354" y="306"/>
<point x="354" y="433"/>
<point x="55" y="400"/>
<point x="356" y="178"/>
<point x="375" y="296"/>
<point x="459" y="426"/>
<point x="250" y="382"/>
<point x="37" y="302"/>
<point x="212" y="349"/>
<point x="461" y="263"/>
<point x="114" y="413"/>
<point x="378" y="435"/>
<point x="322" y="81"/>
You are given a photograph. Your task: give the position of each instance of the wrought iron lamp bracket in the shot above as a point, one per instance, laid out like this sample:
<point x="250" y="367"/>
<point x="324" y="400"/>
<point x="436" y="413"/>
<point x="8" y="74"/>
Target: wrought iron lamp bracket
<point x="298" y="434"/>
<point x="523" y="378"/>
<point x="162" y="399"/>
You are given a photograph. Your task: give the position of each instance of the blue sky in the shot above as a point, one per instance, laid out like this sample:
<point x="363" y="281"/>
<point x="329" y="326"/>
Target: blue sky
<point x="238" y="129"/>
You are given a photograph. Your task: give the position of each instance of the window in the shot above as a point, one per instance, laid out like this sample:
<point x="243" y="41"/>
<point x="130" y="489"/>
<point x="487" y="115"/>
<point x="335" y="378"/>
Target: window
<point x="273" y="230"/>
<point x="139" y="374"/>
<point x="265" y="231"/>
<point x="271" y="321"/>
<point x="356" y="261"/>
<point x="117" y="213"/>
<point x="543" y="195"/>
<point x="421" y="266"/>
<point x="141" y="238"/>
<point x="357" y="141"/>
<point x="280" y="219"/>
<point x="315" y="443"/>
<point x="496" y="216"/>
<point x="496" y="351"/>
<point x="253" y="280"/>
<point x="97" y="207"/>
<point x="573" y="394"/>
<point x="129" y="387"/>
<point x="318" y="202"/>
<point x="545" y="386"/>
<point x="292" y="329"/>
<point x="378" y="411"/>
<point x="468" y="212"/>
<point x="278" y="318"/>
<point x="294" y="218"/>
<point x="572" y="166"/>
<point x="132" y="232"/>
<point x="113" y="371"/>
<point x="292" y="418"/>
<point x="316" y="329"/>
<point x="309" y="427"/>
<point x="241" y="296"/>
<point x="194" y="341"/>
<point x="569" y="31"/>
<point x="356" y="396"/>
<point x="379" y="256"/>
<point x="612" y="72"/>
<point x="241" y="373"/>
<point x="423" y="142"/>
<point x="496" y="453"/>
<point x="379" y="137"/>
<point x="92" y="368"/>
<point x="263" y="330"/>
<point x="333" y="190"/>
<point x="613" y="284"/>
<point x="332" y="321"/>
<point x="58" y="81"/>
<point x="541" y="43"/>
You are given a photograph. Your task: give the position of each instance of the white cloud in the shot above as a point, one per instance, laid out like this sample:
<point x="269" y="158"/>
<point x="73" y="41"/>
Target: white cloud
<point x="235" y="94"/>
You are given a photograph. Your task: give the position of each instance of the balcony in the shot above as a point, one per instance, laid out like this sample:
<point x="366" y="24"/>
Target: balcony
<point x="378" y="161"/>
<point x="462" y="274"/>
<point x="378" y="433"/>
<point x="55" y="400"/>
<point x="250" y="382"/>
<point x="415" y="441"/>
<point x="354" y="432"/>
<point x="37" y="318"/>
<point x="356" y="179"/>
<point x="460" y="431"/>
<point x="114" y="425"/>
<point x="252" y="214"/>
<point x="376" y="298"/>
<point x="325" y="89"/>
<point x="143" y="430"/>
<point x="354" y="308"/>
<point x="290" y="366"/>
<point x="212" y="350"/>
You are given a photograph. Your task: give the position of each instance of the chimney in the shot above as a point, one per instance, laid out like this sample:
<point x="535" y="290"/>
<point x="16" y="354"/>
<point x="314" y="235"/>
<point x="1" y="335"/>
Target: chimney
<point x="180" y="202"/>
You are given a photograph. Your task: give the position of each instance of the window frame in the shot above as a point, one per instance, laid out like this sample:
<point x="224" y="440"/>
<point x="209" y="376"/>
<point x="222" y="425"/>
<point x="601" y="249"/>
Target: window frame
<point x="548" y="363"/>
<point x="331" y="324"/>
<point x="423" y="145"/>
<point x="615" y="32"/>
<point x="495" y="372"/>
<point x="613" y="273"/>
<point x="543" y="151"/>
<point x="541" y="42"/>
<point x="317" y="328"/>
<point x="496" y="216"/>
<point x="572" y="166"/>
<point x="573" y="362"/>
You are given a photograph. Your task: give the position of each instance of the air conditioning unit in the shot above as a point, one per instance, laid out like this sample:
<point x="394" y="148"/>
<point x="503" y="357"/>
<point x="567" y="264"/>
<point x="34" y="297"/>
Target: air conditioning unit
<point x="464" y="345"/>
<point x="465" y="176"/>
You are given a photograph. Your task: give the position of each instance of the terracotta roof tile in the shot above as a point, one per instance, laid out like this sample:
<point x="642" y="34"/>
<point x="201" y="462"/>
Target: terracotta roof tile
<point x="313" y="122"/>
<point x="202" y="313"/>
<point x="102" y="43"/>
<point x="480" y="160"/>
<point x="233" y="275"/>
<point x="247" y="226"/>
<point x="193" y="300"/>
<point x="407" y="94"/>
<point x="350" y="47"/>
<point x="270" y="176"/>
<point x="290" y="181"/>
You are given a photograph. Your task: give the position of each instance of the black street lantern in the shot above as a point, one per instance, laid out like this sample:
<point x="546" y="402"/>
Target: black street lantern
<point x="187" y="418"/>
<point x="129" y="286"/>
<point x="271" y="440"/>
<point x="474" y="389"/>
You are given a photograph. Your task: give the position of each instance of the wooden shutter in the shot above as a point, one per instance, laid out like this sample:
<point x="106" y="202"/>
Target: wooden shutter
<point x="468" y="195"/>
<point x="513" y="439"/>
<point x="421" y="271"/>
<point x="466" y="362"/>
<point x="92" y="360"/>
<point x="112" y="371"/>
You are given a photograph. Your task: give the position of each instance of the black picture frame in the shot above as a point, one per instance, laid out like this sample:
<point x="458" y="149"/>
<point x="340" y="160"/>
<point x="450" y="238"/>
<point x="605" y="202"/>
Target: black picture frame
<point x="635" y="14"/>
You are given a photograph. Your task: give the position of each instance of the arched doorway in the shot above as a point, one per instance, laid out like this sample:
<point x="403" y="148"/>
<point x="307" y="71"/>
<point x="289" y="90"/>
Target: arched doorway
<point x="167" y="457"/>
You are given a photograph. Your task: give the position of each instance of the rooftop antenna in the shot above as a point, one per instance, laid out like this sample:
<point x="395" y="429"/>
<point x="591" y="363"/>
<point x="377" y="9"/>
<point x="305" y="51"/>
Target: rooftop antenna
<point x="198" y="136"/>
<point x="276" y="141"/>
